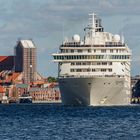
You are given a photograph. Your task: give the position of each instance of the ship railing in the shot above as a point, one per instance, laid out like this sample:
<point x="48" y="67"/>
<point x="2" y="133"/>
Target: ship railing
<point x="90" y="76"/>
<point x="87" y="45"/>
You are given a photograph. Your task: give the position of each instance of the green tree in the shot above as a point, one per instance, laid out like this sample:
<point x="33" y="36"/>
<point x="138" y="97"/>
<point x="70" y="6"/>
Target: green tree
<point x="51" y="79"/>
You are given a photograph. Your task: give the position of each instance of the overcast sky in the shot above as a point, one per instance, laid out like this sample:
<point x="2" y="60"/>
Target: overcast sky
<point x="46" y="21"/>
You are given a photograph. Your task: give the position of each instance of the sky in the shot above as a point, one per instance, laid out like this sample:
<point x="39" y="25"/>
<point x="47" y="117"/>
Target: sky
<point x="48" y="22"/>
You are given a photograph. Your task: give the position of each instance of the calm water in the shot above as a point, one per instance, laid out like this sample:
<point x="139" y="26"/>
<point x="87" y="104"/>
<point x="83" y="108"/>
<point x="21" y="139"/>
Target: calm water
<point x="54" y="121"/>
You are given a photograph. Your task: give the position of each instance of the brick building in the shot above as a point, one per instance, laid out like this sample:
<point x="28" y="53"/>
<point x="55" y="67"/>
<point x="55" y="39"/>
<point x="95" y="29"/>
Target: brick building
<point x="25" y="60"/>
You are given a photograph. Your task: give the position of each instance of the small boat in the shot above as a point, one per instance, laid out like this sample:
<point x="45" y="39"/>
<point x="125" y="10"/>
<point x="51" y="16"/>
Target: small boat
<point x="25" y="98"/>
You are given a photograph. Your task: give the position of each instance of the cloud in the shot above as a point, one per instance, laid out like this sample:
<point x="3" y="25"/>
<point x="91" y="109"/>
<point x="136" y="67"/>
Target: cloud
<point x="43" y="20"/>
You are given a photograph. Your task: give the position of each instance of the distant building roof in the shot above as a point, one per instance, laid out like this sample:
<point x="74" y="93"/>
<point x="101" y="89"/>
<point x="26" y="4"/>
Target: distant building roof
<point x="13" y="76"/>
<point x="8" y="76"/>
<point x="2" y="89"/>
<point x="6" y="62"/>
<point x="2" y="58"/>
<point x="21" y="85"/>
<point x="27" y="43"/>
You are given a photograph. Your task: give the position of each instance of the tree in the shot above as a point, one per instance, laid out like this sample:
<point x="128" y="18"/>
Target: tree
<point x="51" y="79"/>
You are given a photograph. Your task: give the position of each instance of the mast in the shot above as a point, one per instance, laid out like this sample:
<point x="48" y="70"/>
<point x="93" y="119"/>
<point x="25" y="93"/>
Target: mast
<point x="93" y="26"/>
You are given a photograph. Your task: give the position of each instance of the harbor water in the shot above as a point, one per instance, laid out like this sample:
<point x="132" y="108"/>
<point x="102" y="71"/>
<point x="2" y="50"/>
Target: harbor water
<point x="57" y="122"/>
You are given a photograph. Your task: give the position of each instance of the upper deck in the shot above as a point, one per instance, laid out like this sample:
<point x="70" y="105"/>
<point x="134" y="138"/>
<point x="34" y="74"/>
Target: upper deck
<point x="95" y="36"/>
<point x="79" y="44"/>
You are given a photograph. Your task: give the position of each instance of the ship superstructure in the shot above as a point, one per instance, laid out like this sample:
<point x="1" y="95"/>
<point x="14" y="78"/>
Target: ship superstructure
<point x="95" y="70"/>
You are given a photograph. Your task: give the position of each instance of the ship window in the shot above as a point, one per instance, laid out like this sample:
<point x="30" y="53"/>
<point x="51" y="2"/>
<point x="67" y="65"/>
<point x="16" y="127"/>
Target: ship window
<point x="123" y="57"/>
<point x="110" y="63"/>
<point x="94" y="50"/>
<point x="103" y="50"/>
<point x="93" y="70"/>
<point x="97" y="57"/>
<point x="111" y="51"/>
<point x="79" y="51"/>
<point x="110" y="70"/>
<point x="78" y="63"/>
<point x="92" y="57"/>
<point x="80" y="57"/>
<point x="78" y="70"/>
<point x="73" y="63"/>
<point x="89" y="50"/>
<point x="74" y="57"/>
<point x="65" y="57"/>
<point x="72" y="51"/>
<point x="88" y="63"/>
<point x="72" y="70"/>
<point x="84" y="70"/>
<point x="104" y="63"/>
<point x="103" y="70"/>
<point x="88" y="70"/>
<point x="85" y="56"/>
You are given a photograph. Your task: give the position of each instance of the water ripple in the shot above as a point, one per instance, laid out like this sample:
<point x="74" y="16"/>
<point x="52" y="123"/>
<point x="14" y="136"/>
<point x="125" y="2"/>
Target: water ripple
<point x="57" y="122"/>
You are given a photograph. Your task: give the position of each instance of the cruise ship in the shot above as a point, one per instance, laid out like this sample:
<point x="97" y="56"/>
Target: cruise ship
<point x="95" y="70"/>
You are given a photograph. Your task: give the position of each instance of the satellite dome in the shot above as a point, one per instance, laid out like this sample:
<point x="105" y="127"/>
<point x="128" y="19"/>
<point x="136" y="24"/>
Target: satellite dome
<point x="76" y="38"/>
<point x="117" y="38"/>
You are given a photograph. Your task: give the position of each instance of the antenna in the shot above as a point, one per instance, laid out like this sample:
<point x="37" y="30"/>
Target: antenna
<point x="122" y="39"/>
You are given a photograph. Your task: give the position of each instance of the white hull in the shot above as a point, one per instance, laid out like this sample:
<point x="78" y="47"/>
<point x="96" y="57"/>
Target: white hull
<point x="94" y="91"/>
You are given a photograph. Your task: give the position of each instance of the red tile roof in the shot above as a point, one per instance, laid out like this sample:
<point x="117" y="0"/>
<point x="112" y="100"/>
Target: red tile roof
<point x="15" y="75"/>
<point x="6" y="62"/>
<point x="10" y="78"/>
<point x="2" y="58"/>
<point x="2" y="89"/>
